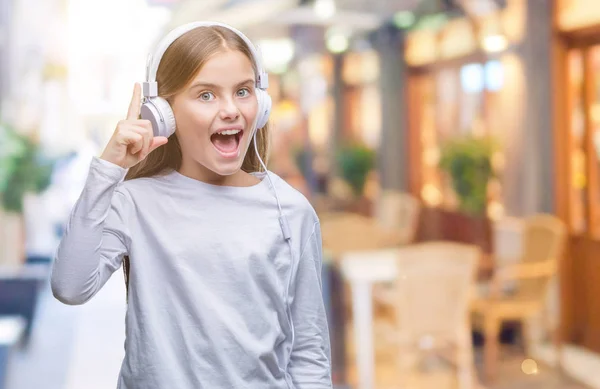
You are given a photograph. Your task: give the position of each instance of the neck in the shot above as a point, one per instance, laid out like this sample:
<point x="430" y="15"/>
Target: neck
<point x="199" y="172"/>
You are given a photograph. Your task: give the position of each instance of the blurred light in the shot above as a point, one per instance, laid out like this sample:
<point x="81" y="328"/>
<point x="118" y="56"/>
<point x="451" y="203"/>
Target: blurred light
<point x="276" y="54"/>
<point x="404" y="19"/>
<point x="494" y="75"/>
<point x="495" y="210"/>
<point x="495" y="43"/>
<point x="431" y="195"/>
<point x="337" y="41"/>
<point x="286" y="114"/>
<point x="498" y="161"/>
<point x="471" y="78"/>
<point x="431" y="156"/>
<point x="529" y="367"/>
<point x="595" y="112"/>
<point x="324" y="9"/>
<point x="11" y="329"/>
<point x="579" y="176"/>
<point x="596" y="139"/>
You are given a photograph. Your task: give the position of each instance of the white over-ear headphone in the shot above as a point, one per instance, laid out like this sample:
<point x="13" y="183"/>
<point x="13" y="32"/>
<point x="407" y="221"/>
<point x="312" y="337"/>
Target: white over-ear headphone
<point x="158" y="111"/>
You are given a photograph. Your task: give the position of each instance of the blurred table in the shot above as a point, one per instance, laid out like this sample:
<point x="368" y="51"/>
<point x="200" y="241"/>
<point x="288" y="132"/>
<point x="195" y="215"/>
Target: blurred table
<point x="362" y="270"/>
<point x="348" y="232"/>
<point x="365" y="253"/>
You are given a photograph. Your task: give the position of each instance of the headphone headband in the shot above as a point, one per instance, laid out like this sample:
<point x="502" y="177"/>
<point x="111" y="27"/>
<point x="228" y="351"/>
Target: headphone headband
<point x="150" y="87"/>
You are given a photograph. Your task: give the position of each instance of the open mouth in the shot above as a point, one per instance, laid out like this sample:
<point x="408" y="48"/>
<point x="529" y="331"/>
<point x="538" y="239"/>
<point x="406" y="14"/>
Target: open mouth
<point x="227" y="142"/>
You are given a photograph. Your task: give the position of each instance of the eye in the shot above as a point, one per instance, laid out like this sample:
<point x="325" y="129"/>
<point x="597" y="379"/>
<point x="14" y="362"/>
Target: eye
<point x="207" y="96"/>
<point x="243" y="92"/>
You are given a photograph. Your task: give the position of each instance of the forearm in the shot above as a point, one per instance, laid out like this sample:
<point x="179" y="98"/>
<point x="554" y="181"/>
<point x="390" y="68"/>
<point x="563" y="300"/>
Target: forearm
<point x="90" y="248"/>
<point x="310" y="362"/>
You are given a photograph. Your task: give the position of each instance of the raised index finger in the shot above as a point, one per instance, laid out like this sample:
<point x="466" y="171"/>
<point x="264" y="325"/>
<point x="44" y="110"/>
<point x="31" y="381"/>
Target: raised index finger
<point x="134" y="107"/>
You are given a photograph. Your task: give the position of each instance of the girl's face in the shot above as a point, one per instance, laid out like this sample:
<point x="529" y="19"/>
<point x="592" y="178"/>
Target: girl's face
<point x="215" y="114"/>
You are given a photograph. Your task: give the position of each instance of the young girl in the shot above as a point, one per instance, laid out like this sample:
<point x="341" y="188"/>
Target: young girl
<point x="222" y="258"/>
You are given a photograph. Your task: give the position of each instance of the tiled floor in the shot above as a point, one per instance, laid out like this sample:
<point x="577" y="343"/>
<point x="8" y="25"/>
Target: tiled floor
<point x="443" y="377"/>
<point x="579" y="362"/>
<point x="42" y="363"/>
<point x="512" y="377"/>
<point x="77" y="347"/>
<point x="440" y="375"/>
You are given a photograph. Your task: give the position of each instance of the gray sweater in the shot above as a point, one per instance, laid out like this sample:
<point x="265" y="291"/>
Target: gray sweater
<point x="217" y="297"/>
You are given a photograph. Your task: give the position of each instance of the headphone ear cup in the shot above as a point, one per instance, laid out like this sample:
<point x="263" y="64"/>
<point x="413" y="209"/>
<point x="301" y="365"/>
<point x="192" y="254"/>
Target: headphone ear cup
<point x="264" y="108"/>
<point x="158" y="111"/>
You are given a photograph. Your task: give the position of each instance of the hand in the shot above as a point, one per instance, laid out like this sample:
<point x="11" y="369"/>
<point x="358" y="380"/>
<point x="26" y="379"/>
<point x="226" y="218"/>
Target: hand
<point x="133" y="138"/>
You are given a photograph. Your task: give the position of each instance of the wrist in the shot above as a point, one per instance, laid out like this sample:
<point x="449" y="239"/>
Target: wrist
<point x="107" y="157"/>
<point x="110" y="162"/>
<point x="102" y="168"/>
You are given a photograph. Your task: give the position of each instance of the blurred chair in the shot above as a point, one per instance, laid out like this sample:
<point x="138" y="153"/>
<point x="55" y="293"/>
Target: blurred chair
<point x="432" y="294"/>
<point x="400" y="212"/>
<point x="339" y="194"/>
<point x="544" y="238"/>
<point x="507" y="236"/>
<point x="345" y="231"/>
<point x="507" y="243"/>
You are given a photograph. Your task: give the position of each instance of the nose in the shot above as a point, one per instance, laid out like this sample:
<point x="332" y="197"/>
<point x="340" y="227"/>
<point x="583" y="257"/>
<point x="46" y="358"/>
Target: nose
<point x="229" y="111"/>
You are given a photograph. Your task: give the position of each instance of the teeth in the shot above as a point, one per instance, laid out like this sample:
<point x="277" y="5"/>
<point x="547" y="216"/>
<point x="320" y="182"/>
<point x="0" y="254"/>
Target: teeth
<point x="229" y="132"/>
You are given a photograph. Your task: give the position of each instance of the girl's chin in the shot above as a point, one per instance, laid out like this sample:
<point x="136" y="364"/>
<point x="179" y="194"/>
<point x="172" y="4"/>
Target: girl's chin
<point x="226" y="170"/>
<point x="226" y="166"/>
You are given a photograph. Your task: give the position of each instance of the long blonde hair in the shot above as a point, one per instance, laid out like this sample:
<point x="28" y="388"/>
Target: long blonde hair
<point x="180" y="63"/>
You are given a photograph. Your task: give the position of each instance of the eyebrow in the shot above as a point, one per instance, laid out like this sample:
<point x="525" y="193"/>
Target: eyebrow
<point x="214" y="86"/>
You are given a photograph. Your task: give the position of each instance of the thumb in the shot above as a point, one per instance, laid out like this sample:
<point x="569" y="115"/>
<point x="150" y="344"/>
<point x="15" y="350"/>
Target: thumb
<point x="156" y="142"/>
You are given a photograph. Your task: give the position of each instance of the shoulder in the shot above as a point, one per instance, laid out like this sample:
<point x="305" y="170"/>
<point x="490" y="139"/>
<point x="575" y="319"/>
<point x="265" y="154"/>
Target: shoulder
<point x="146" y="183"/>
<point x="294" y="202"/>
<point x="131" y="191"/>
<point x="300" y="213"/>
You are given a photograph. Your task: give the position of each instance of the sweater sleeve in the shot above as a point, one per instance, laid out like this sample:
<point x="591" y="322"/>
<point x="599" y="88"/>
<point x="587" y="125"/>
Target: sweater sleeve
<point x="95" y="239"/>
<point x="310" y="362"/>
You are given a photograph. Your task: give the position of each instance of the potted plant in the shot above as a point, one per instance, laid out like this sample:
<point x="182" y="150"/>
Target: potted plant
<point x="468" y="163"/>
<point x="23" y="170"/>
<point x="355" y="161"/>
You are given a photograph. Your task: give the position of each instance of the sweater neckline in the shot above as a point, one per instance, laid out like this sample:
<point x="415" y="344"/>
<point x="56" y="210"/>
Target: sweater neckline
<point x="180" y="179"/>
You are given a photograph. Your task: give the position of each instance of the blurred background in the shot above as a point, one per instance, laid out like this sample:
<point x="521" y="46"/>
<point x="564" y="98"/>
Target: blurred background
<point x="450" y="147"/>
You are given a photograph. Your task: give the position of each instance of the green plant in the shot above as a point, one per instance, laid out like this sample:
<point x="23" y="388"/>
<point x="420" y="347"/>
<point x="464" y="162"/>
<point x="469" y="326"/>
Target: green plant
<point x="354" y="163"/>
<point x="468" y="162"/>
<point x="23" y="168"/>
